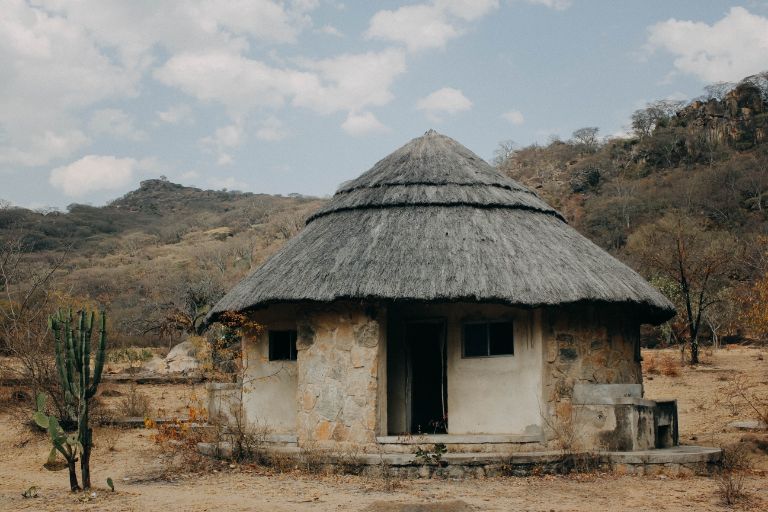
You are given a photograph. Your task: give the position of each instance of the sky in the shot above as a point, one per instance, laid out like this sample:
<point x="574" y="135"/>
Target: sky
<point x="297" y="96"/>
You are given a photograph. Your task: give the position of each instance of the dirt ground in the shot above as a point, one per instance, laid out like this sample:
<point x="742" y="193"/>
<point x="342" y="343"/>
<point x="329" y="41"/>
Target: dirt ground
<point x="133" y="464"/>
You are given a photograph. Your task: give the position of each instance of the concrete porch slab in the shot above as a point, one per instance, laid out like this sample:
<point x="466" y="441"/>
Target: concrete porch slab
<point x="677" y="460"/>
<point x="460" y="439"/>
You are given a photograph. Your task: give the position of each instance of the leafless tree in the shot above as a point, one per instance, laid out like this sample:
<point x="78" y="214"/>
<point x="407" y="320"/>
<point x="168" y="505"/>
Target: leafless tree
<point x="678" y="248"/>
<point x="586" y="138"/>
<point x="503" y="151"/>
<point x="28" y="297"/>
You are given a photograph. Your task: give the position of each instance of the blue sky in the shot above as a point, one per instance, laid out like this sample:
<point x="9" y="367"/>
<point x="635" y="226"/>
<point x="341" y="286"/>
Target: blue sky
<point x="300" y="95"/>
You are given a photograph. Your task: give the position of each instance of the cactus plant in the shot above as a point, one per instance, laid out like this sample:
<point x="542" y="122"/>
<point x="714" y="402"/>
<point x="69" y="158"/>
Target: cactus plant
<point x="73" y="361"/>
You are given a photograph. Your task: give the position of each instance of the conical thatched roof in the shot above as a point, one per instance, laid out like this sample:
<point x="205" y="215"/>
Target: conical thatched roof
<point x="434" y="222"/>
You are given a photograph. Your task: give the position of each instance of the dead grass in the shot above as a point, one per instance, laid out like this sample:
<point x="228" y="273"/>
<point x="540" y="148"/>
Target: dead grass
<point x="736" y="462"/>
<point x="135" y="404"/>
<point x="669" y="365"/>
<point x="141" y="477"/>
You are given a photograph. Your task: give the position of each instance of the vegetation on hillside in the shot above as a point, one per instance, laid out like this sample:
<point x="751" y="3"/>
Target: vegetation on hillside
<point x="682" y="199"/>
<point x="157" y="257"/>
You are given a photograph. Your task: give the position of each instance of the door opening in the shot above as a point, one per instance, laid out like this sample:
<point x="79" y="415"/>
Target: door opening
<point x="427" y="361"/>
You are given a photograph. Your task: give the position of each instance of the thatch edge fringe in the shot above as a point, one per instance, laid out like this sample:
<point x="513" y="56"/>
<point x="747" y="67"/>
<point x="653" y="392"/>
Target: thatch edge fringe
<point x="479" y="206"/>
<point x="651" y="313"/>
<point x="519" y="188"/>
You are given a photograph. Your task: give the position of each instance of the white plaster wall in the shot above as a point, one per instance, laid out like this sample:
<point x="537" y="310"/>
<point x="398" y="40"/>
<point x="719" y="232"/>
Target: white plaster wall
<point x="270" y="387"/>
<point x="489" y="395"/>
<point x="500" y="394"/>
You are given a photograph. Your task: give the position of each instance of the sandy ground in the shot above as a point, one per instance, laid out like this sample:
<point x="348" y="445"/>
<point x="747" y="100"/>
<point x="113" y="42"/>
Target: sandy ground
<point x="133" y="464"/>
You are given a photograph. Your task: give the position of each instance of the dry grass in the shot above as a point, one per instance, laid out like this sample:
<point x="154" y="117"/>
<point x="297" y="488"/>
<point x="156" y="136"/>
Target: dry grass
<point x="736" y="462"/>
<point x="650" y="364"/>
<point x="669" y="365"/>
<point x="135" y="403"/>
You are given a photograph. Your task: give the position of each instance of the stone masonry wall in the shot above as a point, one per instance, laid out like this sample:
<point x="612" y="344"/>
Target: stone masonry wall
<point x="590" y="345"/>
<point x="340" y="348"/>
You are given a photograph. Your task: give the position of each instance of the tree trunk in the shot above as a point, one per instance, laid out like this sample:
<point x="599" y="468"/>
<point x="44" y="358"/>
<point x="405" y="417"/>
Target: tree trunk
<point x="73" y="485"/>
<point x="694" y="350"/>
<point x="85" y="459"/>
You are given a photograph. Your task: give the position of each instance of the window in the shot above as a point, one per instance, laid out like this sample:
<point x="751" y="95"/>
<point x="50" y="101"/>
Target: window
<point x="282" y="345"/>
<point x="484" y="339"/>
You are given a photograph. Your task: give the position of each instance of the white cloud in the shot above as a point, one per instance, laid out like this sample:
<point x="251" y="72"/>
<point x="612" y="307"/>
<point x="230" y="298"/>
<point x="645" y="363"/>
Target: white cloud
<point x="236" y="81"/>
<point x="729" y="49"/>
<point x="330" y="30"/>
<point x="427" y="25"/>
<point x="175" y="114"/>
<point x="362" y="123"/>
<point x="558" y="5"/>
<point x="419" y="27"/>
<point x="224" y="139"/>
<point x="348" y="82"/>
<point x="467" y="9"/>
<point x="443" y="101"/>
<point x="514" y="116"/>
<point x="115" y="123"/>
<point x="93" y="173"/>
<point x="272" y="129"/>
<point x="59" y="57"/>
<point x="39" y="148"/>
<point x="49" y="69"/>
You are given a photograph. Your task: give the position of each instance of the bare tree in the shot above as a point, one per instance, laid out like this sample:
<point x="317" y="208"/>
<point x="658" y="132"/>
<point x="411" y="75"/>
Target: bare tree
<point x="503" y="151"/>
<point x="697" y="261"/>
<point x="28" y="297"/>
<point x="655" y="114"/>
<point x="586" y="138"/>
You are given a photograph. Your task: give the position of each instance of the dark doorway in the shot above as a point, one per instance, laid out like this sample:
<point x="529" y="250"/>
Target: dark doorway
<point x="427" y="365"/>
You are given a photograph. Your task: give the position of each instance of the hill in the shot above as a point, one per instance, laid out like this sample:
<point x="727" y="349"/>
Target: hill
<point x="699" y="166"/>
<point x="156" y="257"/>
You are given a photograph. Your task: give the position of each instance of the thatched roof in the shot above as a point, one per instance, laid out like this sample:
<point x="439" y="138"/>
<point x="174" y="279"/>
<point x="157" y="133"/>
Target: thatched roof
<point x="434" y="222"/>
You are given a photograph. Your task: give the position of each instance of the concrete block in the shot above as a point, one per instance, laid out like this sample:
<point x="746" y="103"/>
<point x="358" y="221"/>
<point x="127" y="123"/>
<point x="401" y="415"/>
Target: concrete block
<point x="605" y="393"/>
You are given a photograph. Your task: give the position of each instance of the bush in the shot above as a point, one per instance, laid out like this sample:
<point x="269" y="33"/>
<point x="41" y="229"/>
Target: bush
<point x="135" y="404"/>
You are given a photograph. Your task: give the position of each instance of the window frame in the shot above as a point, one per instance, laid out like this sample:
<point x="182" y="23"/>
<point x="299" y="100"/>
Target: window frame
<point x="292" y="351"/>
<point x="487" y="323"/>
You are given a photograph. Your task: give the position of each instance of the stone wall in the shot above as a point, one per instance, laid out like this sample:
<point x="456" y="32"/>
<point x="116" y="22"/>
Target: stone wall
<point x="341" y="350"/>
<point x="585" y="345"/>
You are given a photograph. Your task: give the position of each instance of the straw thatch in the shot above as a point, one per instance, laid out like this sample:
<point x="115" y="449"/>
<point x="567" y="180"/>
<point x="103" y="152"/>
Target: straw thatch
<point x="434" y="222"/>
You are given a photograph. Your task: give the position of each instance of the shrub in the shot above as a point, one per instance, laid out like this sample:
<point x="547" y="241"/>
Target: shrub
<point x="135" y="404"/>
<point x="730" y="481"/>
<point x="669" y="366"/>
<point x="650" y="364"/>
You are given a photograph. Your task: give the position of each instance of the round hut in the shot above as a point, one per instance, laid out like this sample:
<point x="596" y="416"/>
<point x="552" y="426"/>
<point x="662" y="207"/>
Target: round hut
<point x="435" y="296"/>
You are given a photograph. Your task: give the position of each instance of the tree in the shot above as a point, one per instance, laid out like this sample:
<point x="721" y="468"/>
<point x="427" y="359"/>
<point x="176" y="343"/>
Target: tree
<point x="503" y="151"/>
<point x="677" y="247"/>
<point x="655" y="114"/>
<point x="586" y="138"/>
<point x="28" y="294"/>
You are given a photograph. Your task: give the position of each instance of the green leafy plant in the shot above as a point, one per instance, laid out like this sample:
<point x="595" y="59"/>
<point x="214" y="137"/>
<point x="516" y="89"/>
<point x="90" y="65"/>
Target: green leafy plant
<point x="431" y="456"/>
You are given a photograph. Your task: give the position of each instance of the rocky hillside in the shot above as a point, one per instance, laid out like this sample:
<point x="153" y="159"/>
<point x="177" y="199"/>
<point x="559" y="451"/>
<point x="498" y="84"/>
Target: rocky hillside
<point x="703" y="161"/>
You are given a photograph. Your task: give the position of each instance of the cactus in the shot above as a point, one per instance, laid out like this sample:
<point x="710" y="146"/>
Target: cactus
<point x="68" y="445"/>
<point x="73" y="362"/>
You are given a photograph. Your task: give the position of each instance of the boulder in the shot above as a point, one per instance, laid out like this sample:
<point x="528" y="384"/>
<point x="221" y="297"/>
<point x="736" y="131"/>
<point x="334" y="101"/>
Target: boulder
<point x="181" y="358"/>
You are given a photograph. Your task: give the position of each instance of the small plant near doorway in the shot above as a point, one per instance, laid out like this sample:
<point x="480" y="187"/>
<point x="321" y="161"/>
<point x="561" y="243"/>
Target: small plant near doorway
<point x="431" y="456"/>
